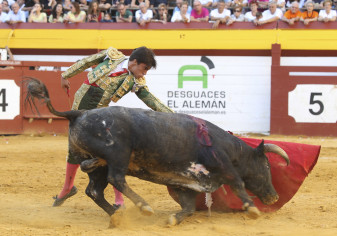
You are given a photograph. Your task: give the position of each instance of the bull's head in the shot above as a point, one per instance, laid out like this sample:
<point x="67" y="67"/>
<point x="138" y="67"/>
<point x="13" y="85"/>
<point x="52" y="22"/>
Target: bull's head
<point x="258" y="176"/>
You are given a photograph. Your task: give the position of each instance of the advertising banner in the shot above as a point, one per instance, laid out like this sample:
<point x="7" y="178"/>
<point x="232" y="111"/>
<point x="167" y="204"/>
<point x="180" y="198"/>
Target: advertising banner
<point x="231" y="92"/>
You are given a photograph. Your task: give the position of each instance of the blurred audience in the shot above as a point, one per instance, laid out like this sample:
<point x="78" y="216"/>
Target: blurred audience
<point x="161" y="14"/>
<point x="220" y="15"/>
<point x="293" y="14"/>
<point x="57" y="14"/>
<point x="327" y="14"/>
<point x="237" y="16"/>
<point x="123" y="14"/>
<point x="271" y="15"/>
<point x="107" y="18"/>
<point x="250" y="16"/>
<point x="75" y="15"/>
<point x="94" y="13"/>
<point x="199" y="13"/>
<point x="182" y="14"/>
<point x="3" y="15"/>
<point x="309" y="15"/>
<point x="15" y="15"/>
<point x="178" y="7"/>
<point x="36" y="16"/>
<point x="136" y="3"/>
<point x="143" y="15"/>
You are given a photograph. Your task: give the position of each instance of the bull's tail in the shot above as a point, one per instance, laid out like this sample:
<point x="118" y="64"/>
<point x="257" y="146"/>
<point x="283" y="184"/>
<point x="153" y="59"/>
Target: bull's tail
<point x="37" y="89"/>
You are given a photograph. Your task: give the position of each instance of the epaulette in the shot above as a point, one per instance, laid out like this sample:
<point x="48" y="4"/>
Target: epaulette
<point x="141" y="81"/>
<point x="114" y="54"/>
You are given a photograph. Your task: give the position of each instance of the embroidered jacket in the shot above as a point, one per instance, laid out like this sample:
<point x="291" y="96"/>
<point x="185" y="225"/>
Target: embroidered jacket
<point x="114" y="87"/>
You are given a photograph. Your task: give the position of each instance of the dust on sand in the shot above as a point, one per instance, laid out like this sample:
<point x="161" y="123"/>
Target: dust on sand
<point x="32" y="170"/>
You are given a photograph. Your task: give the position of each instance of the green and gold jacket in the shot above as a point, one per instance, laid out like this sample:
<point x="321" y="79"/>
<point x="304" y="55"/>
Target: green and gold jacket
<point x="114" y="87"/>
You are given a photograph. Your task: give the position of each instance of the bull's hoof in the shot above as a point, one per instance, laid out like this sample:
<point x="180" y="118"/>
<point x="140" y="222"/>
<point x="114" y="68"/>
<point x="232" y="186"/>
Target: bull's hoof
<point x="146" y="210"/>
<point x="253" y="212"/>
<point x="172" y="220"/>
<point x="116" y="218"/>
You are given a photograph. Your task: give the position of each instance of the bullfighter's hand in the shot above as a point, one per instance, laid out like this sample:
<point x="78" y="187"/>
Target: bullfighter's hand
<point x="65" y="84"/>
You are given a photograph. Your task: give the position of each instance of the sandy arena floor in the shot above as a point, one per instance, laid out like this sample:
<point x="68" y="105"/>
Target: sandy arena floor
<point x="32" y="170"/>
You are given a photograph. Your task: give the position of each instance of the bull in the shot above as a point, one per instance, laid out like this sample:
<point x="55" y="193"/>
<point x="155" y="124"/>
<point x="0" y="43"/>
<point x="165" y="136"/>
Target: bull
<point x="187" y="154"/>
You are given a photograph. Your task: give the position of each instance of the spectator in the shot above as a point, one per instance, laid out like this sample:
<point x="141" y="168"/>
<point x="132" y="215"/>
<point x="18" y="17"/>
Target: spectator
<point x="220" y="15"/>
<point x="199" y="13"/>
<point x="36" y="16"/>
<point x="281" y="4"/>
<point x="327" y="14"/>
<point x="237" y="16"/>
<point x="84" y="6"/>
<point x="143" y="15"/>
<point x="136" y="3"/>
<point x="156" y="3"/>
<point x="239" y="3"/>
<point x="206" y="3"/>
<point x="75" y="15"/>
<point x="105" y="5"/>
<point x="3" y="15"/>
<point x="66" y="6"/>
<point x="309" y="15"/>
<point x="123" y="14"/>
<point x="263" y="3"/>
<point x="250" y="16"/>
<point x="107" y="18"/>
<point x="182" y="14"/>
<point x="15" y="15"/>
<point x="5" y="6"/>
<point x="51" y="4"/>
<point x="318" y="4"/>
<point x="161" y="14"/>
<point x="289" y="2"/>
<point x="293" y="14"/>
<point x="178" y="7"/>
<point x="270" y="15"/>
<point x="94" y="13"/>
<point x="57" y="14"/>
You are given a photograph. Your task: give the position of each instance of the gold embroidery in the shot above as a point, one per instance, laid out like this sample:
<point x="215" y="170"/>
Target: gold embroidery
<point x="79" y="95"/>
<point x="114" y="54"/>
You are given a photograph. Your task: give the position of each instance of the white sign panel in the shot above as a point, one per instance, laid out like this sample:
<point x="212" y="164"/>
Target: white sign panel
<point x="9" y="99"/>
<point x="231" y="92"/>
<point x="313" y="103"/>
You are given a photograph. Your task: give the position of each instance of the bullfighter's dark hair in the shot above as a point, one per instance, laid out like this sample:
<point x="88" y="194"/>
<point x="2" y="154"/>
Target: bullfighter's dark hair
<point x="144" y="55"/>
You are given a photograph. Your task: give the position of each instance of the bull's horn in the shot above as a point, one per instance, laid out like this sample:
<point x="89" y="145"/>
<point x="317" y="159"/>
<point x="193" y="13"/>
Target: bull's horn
<point x="268" y="147"/>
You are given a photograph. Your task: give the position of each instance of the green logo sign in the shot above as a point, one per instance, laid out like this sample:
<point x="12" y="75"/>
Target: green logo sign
<point x="202" y="78"/>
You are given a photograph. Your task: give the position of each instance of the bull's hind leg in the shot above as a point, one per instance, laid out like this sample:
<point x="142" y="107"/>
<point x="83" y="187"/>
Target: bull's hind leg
<point x="95" y="189"/>
<point x="187" y="200"/>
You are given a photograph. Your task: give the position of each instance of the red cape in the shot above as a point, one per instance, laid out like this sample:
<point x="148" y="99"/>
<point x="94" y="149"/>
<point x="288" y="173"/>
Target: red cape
<point x="286" y="179"/>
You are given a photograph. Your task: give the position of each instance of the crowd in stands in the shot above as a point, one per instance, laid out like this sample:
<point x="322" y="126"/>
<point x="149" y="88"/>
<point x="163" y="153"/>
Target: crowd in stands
<point x="217" y="12"/>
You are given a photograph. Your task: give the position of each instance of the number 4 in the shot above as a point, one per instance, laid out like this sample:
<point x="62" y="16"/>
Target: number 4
<point x="3" y="104"/>
<point x="312" y="101"/>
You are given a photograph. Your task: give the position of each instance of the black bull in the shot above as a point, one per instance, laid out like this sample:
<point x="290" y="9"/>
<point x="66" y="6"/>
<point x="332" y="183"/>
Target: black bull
<point x="163" y="148"/>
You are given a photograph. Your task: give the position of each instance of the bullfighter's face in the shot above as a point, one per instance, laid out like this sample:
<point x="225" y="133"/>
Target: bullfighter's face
<point x="138" y="70"/>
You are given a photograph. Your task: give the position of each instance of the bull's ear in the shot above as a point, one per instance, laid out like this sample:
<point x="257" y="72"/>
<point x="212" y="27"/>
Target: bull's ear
<point x="260" y="148"/>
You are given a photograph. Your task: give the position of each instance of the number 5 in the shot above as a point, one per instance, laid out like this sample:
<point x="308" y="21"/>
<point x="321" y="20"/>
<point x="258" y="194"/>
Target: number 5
<point x="312" y="101"/>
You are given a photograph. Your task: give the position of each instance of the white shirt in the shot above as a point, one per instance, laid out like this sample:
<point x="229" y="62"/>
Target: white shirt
<point x="140" y="15"/>
<point x="240" y="19"/>
<point x="215" y="13"/>
<point x="177" y="17"/>
<point x="266" y="15"/>
<point x="16" y="17"/>
<point x="322" y="13"/>
<point x="249" y="16"/>
<point x="3" y="17"/>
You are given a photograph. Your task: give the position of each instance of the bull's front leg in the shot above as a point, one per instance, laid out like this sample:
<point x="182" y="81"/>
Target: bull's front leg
<point x="238" y="187"/>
